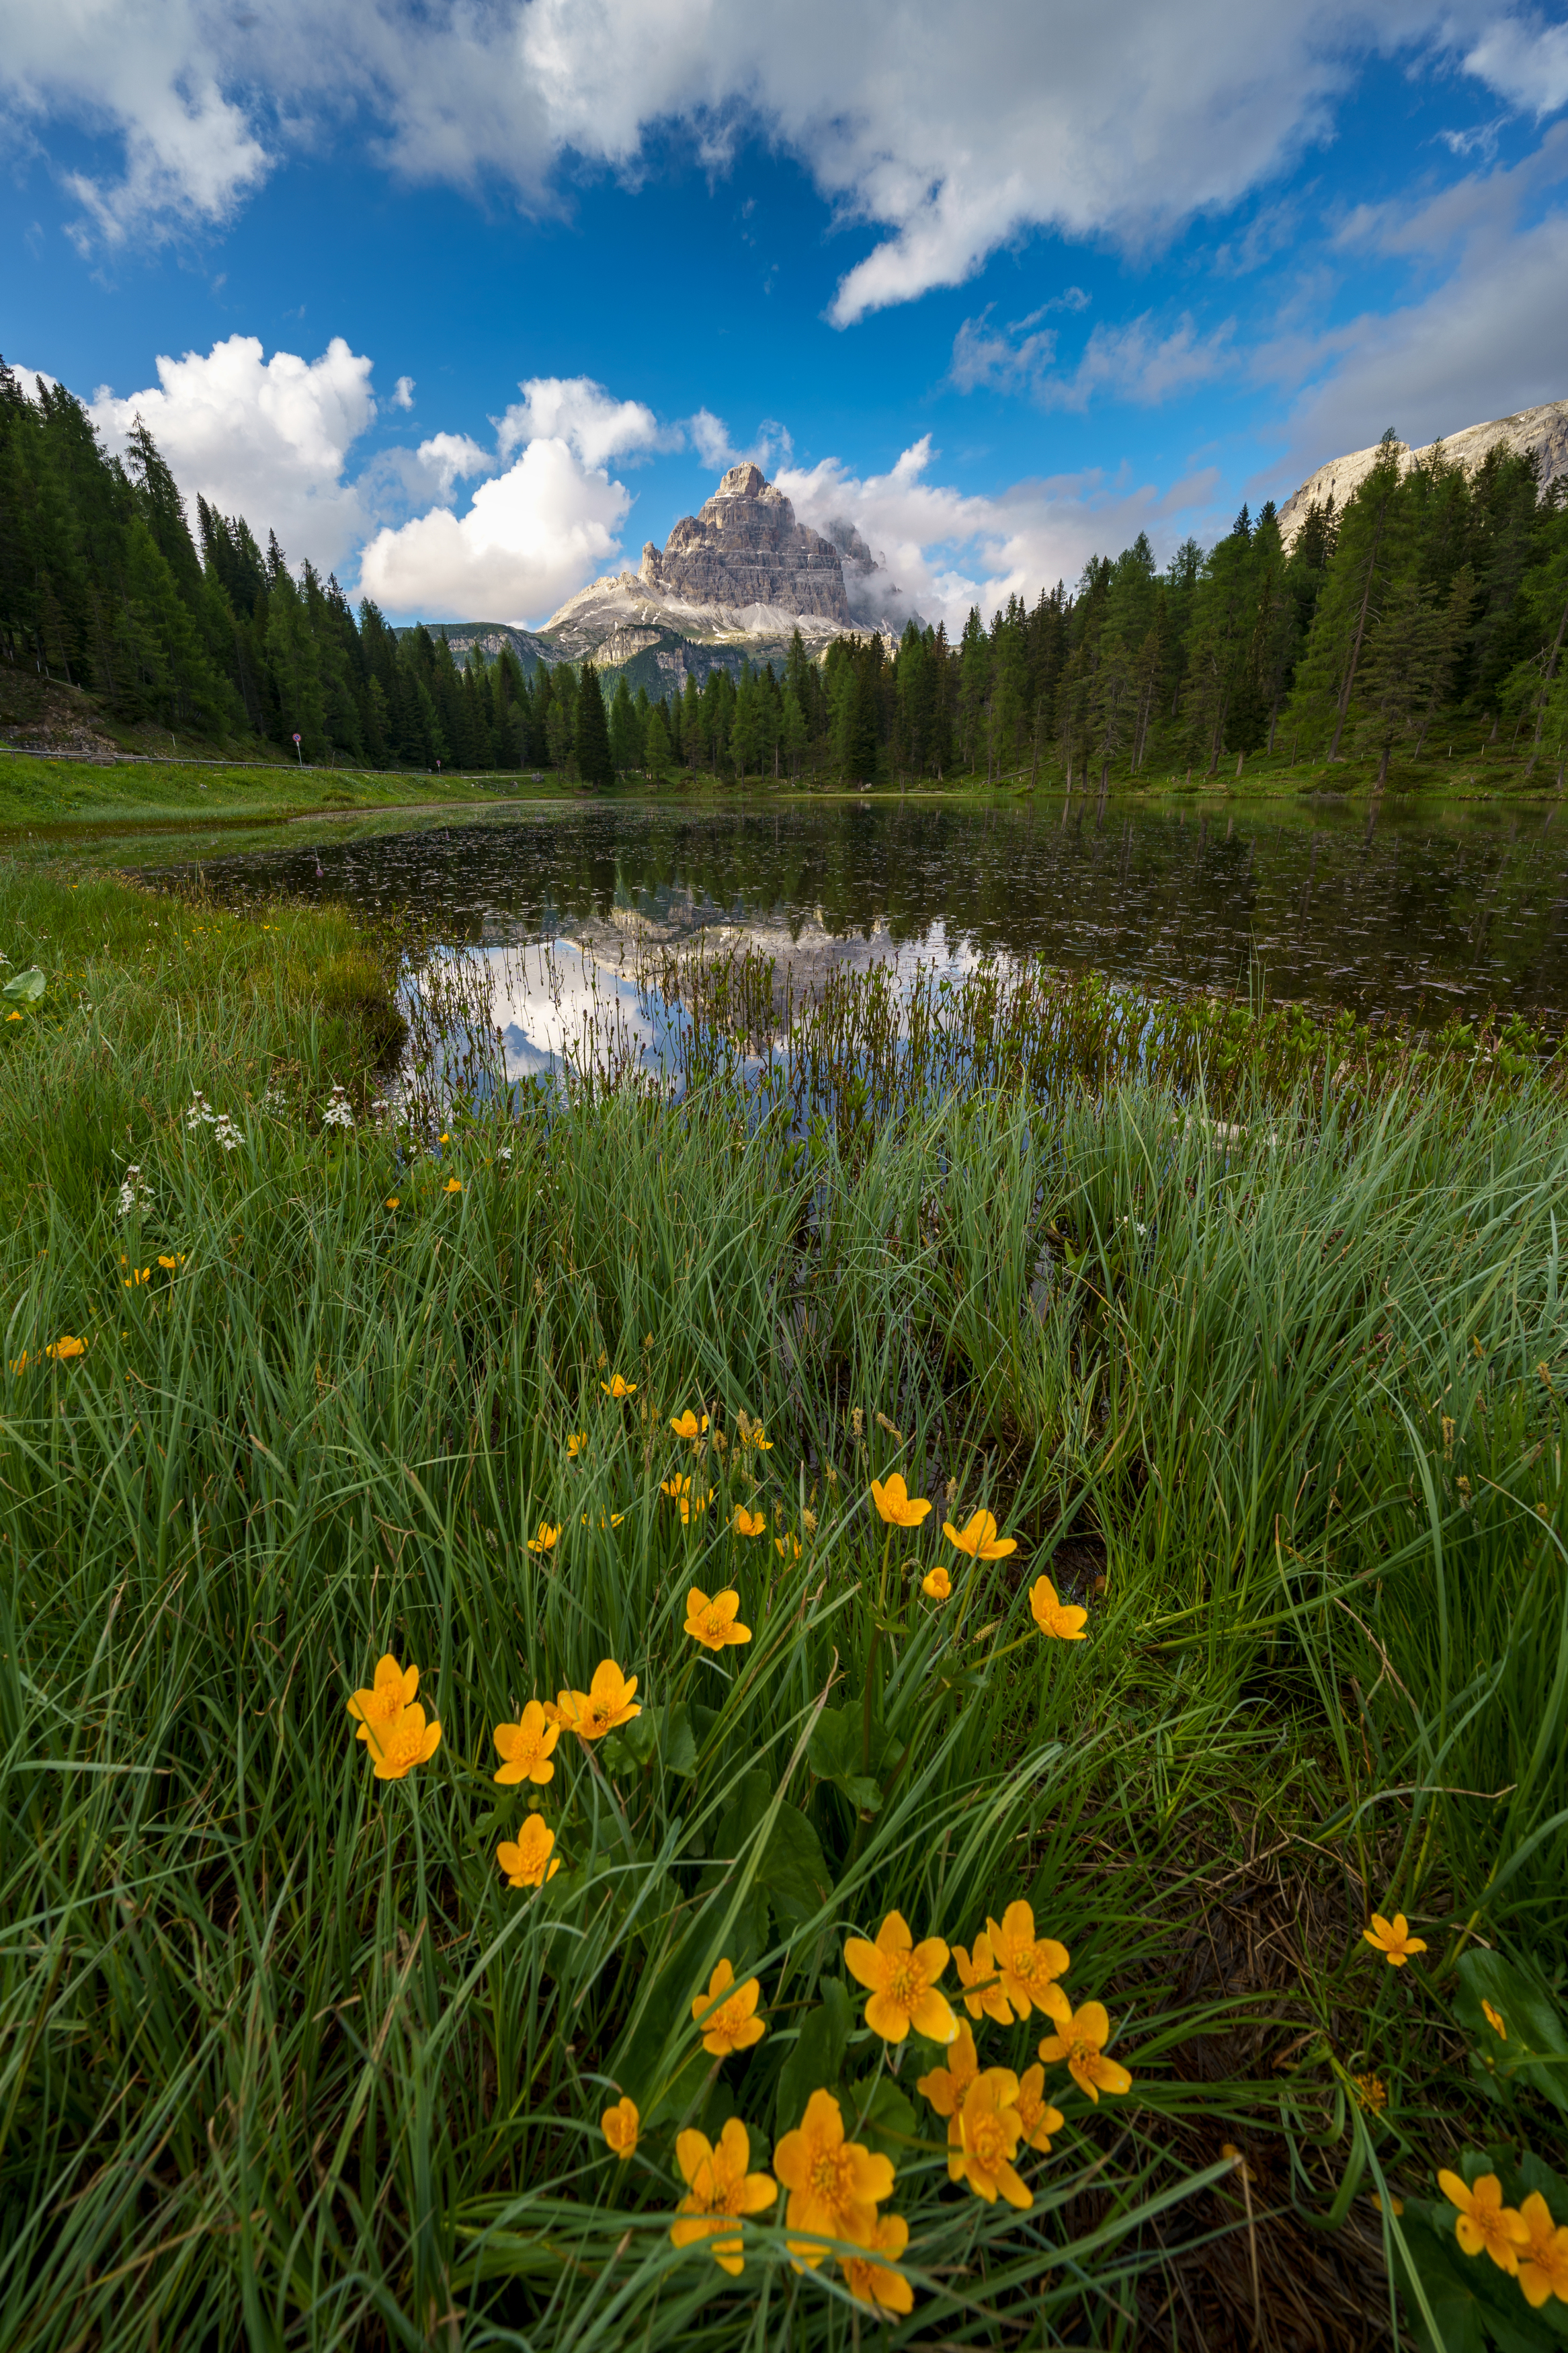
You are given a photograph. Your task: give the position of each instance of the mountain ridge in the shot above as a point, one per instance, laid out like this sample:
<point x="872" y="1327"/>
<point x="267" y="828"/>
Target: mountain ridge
<point x="1542" y="431"/>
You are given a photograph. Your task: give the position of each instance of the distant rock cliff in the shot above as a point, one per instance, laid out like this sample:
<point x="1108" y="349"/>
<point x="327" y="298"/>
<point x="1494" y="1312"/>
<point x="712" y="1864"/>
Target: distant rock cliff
<point x="730" y="584"/>
<point x="744" y="548"/>
<point x="1542" y="430"/>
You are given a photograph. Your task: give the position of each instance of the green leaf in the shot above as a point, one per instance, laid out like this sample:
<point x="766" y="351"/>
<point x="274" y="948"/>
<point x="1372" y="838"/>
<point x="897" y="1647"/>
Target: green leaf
<point x="1534" y="2048"/>
<point x="1473" y="2302"/>
<point x="818" y="2054"/>
<point x="790" y="1869"/>
<point x="24" y="987"/>
<point x="836" y="1753"/>
<point x="877" y="2112"/>
<point x="662" y="1732"/>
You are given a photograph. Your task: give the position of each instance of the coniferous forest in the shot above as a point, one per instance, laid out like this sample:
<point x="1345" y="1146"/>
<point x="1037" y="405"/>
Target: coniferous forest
<point x="1432" y="598"/>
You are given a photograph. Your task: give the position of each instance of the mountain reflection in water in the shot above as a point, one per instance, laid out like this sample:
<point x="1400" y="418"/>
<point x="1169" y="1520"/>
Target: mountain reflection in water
<point x="1459" y="909"/>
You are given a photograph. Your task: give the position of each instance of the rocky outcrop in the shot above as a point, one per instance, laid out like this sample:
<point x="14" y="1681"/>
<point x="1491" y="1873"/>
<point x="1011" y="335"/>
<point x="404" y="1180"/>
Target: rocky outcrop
<point x="1543" y="432"/>
<point x="746" y="548"/>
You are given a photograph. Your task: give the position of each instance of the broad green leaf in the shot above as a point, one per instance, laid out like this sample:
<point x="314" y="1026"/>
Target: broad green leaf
<point x="790" y="1868"/>
<point x="24" y="987"/>
<point x="813" y="2065"/>
<point x="662" y="1732"/>
<point x="1533" y="2047"/>
<point x="876" y="2112"/>
<point x="836" y="1753"/>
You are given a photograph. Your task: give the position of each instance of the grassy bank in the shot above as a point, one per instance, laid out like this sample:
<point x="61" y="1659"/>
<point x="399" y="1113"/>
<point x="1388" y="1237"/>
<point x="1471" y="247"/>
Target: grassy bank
<point x="286" y="2061"/>
<point x="35" y="792"/>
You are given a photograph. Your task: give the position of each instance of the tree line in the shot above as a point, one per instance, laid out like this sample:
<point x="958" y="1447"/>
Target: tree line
<point x="1432" y="593"/>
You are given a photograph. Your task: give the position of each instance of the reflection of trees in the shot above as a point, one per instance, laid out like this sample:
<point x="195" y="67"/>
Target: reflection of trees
<point x="1181" y="898"/>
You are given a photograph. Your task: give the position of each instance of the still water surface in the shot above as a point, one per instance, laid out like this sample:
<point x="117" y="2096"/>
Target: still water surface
<point x="1461" y="908"/>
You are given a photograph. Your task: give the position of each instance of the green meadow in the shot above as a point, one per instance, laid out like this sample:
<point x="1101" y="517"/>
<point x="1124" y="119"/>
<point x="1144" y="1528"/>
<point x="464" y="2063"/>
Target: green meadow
<point x="1228" y="1352"/>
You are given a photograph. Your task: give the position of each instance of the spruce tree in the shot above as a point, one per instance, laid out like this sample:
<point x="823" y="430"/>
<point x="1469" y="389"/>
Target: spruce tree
<point x="590" y="731"/>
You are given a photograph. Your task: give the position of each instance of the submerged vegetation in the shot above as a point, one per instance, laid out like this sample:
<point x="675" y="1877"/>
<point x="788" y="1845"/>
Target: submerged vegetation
<point x="557" y="1644"/>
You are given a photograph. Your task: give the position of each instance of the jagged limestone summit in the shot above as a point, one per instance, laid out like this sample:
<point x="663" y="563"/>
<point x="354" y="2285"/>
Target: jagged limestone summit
<point x="730" y="583"/>
<point x="1540" y="432"/>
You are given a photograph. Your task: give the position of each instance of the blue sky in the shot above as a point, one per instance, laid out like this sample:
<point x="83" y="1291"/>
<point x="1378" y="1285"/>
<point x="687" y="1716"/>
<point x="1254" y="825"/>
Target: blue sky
<point x="468" y="301"/>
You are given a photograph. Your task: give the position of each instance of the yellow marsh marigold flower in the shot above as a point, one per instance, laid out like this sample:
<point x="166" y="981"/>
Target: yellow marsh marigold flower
<point x="688" y="1426"/>
<point x="1039" y="2119"/>
<point x="527" y="1860"/>
<point x="1063" y="1620"/>
<point x="620" y="2125"/>
<point x="1493" y="2019"/>
<point x="406" y="1742"/>
<point x="137" y="1276"/>
<point x="169" y="1264"/>
<point x="606" y="1703"/>
<point x="675" y="1488"/>
<point x="896" y="1504"/>
<point x="869" y="2281"/>
<point x="1543" y="2259"/>
<point x="750" y="1524"/>
<point x="392" y="1201"/>
<point x="693" y="1504"/>
<point x="834" y="2184"/>
<point x="384" y="1703"/>
<point x="1484" y="2222"/>
<point x="719" y="2190"/>
<point x="546" y="1539"/>
<point x="902" y="1977"/>
<point x="453" y="1185"/>
<point x="67" y="1345"/>
<point x="979" y="1538"/>
<point x="1080" y="2039"/>
<point x="615" y="1386"/>
<point x="576" y="1440"/>
<point x="734" y="2025"/>
<point x="752" y="1433"/>
<point x="944" y="2088"/>
<point x="989" y="2130"/>
<point x="1392" y="1939"/>
<point x="714" y="1623"/>
<point x="787" y="1548"/>
<point x="526" y="1748"/>
<point x="982" y="1986"/>
<point x="936" y="1585"/>
<point x="1027" y="1965"/>
<point x="20" y="1364"/>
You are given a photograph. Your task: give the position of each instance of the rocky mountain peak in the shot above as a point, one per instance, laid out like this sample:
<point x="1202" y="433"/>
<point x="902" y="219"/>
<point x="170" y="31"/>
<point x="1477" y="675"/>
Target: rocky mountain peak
<point x="744" y="482"/>
<point x="746" y="548"/>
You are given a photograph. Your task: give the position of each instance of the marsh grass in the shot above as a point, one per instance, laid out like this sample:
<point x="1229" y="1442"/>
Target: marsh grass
<point x="282" y="2059"/>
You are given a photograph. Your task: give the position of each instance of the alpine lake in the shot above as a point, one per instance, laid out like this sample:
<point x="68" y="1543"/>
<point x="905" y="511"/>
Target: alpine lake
<point x="1414" y="911"/>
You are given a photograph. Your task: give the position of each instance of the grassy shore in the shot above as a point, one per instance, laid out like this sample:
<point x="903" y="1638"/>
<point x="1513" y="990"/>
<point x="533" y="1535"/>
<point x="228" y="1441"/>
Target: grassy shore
<point x="1269" y="1387"/>
<point x="35" y="792"/>
<point x="43" y="793"/>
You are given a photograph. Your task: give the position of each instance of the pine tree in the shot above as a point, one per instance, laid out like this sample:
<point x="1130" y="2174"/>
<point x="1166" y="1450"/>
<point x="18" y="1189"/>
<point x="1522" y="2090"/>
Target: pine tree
<point x="1368" y="555"/>
<point x="591" y="733"/>
<point x="656" y="751"/>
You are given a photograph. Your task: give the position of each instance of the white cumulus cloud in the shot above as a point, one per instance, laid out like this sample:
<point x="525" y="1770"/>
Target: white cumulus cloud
<point x="590" y="420"/>
<point x="529" y="539"/>
<point x="267" y="440"/>
<point x="949" y="548"/>
<point x="948" y="130"/>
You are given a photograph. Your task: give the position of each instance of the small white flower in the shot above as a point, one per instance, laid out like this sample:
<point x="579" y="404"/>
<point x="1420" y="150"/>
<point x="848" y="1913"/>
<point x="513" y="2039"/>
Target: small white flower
<point x="199" y="1112"/>
<point x="338" y="1113"/>
<point x="135" y="1192"/>
<point x="505" y="1151"/>
<point x="225" y="1133"/>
